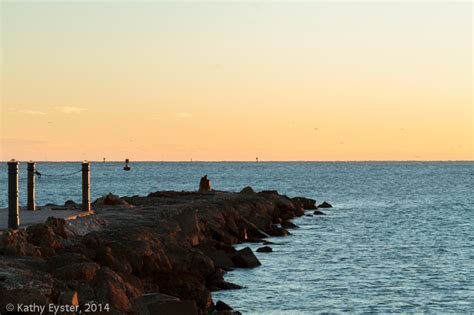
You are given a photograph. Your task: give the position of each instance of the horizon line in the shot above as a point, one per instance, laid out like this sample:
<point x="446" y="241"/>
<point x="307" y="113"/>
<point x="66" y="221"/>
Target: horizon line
<point x="233" y="161"/>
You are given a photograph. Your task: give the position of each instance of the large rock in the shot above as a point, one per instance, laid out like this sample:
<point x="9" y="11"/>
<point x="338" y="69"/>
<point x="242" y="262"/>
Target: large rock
<point x="247" y="190"/>
<point x="278" y="231"/>
<point x="110" y="287"/>
<point x="189" y="223"/>
<point x="204" y="184"/>
<point x="111" y="200"/>
<point x="245" y="258"/>
<point x="85" y="271"/>
<point x="288" y="225"/>
<point x="253" y="231"/>
<point x="43" y="235"/>
<point x="317" y="212"/>
<point x="15" y="243"/>
<point x="304" y="203"/>
<point x="264" y="249"/>
<point x="325" y="205"/>
<point x="221" y="259"/>
<point x="221" y="306"/>
<point x="65" y="259"/>
<point x="60" y="227"/>
<point x="116" y="260"/>
<point x="70" y="204"/>
<point x="224" y="285"/>
<point x="156" y="303"/>
<point x="186" y="286"/>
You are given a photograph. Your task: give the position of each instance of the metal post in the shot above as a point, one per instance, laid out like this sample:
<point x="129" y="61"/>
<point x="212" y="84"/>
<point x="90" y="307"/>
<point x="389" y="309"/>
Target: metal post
<point x="13" y="208"/>
<point x="31" y="204"/>
<point x="86" y="194"/>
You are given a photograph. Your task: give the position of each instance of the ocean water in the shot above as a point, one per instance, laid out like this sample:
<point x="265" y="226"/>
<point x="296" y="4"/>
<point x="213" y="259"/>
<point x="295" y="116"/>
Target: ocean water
<point x="400" y="237"/>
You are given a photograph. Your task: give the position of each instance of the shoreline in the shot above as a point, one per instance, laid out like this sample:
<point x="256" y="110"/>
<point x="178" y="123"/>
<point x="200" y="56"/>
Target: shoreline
<point x="167" y="251"/>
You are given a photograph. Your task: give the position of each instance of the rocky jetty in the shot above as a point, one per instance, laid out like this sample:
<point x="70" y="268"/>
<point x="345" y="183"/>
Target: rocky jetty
<point x="143" y="255"/>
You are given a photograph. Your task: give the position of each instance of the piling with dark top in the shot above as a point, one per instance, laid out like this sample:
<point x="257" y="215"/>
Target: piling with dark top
<point x="31" y="203"/>
<point x="13" y="207"/>
<point x="86" y="196"/>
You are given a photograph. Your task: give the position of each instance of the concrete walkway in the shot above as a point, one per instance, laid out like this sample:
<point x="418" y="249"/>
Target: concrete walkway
<point x="39" y="216"/>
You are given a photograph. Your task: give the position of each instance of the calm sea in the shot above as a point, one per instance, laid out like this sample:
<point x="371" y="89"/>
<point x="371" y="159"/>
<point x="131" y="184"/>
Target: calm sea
<point x="399" y="239"/>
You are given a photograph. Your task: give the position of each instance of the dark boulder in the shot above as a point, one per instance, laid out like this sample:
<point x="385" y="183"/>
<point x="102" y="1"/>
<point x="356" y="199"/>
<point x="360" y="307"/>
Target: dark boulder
<point x="15" y="243"/>
<point x="92" y="240"/>
<point x="111" y="200"/>
<point x="186" y="286"/>
<point x="278" y="231"/>
<point x="70" y="204"/>
<point x="265" y="249"/>
<point x="221" y="259"/>
<point x="43" y="235"/>
<point x="288" y="225"/>
<point x="247" y="190"/>
<point x="110" y="287"/>
<point x="189" y="223"/>
<point x="157" y="303"/>
<point x="175" y="308"/>
<point x="221" y="306"/>
<point x="205" y="184"/>
<point x="245" y="258"/>
<point x="252" y="230"/>
<point x="304" y="203"/>
<point x="224" y="285"/>
<point x="85" y="271"/>
<point x="65" y="259"/>
<point x="317" y="212"/>
<point x="59" y="227"/>
<point x="325" y="205"/>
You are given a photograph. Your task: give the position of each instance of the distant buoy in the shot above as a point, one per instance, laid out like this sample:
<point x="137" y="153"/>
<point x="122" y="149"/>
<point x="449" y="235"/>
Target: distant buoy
<point x="126" y="167"/>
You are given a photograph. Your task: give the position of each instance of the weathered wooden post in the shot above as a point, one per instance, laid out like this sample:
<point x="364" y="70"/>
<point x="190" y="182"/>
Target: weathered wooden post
<point x="86" y="194"/>
<point x="13" y="208"/>
<point x="31" y="204"/>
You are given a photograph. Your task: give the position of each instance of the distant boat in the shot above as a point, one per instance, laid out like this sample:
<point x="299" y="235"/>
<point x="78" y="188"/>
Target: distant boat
<point x="126" y="167"/>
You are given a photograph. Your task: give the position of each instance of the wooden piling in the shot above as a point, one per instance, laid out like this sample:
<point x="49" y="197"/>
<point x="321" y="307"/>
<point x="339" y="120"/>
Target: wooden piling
<point x="86" y="195"/>
<point x="13" y="207"/>
<point x="31" y="202"/>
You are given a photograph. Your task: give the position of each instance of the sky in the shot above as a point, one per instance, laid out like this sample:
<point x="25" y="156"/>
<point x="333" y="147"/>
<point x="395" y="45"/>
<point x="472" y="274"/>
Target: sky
<point x="232" y="81"/>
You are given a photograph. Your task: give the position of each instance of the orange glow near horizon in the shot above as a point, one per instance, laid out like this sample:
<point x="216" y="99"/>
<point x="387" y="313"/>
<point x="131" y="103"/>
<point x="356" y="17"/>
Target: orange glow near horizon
<point x="235" y="81"/>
